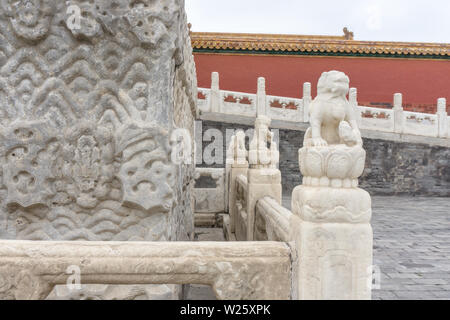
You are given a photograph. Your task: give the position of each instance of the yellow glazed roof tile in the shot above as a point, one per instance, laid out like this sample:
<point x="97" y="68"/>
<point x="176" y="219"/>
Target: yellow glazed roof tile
<point x="311" y="43"/>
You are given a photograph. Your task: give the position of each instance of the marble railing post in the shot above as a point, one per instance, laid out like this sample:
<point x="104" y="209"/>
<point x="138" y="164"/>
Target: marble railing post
<point x="262" y="182"/>
<point x="264" y="179"/>
<point x="331" y="215"/>
<point x="442" y="118"/>
<point x="306" y="100"/>
<point x="238" y="165"/>
<point x="215" y="100"/>
<point x="261" y="103"/>
<point x="353" y="99"/>
<point x="399" y="117"/>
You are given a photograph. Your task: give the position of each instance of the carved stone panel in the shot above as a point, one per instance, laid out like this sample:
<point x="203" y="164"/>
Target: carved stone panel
<point x="87" y="104"/>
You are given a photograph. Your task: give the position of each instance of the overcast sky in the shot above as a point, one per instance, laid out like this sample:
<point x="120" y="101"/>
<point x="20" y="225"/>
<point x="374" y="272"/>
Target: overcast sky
<point x="378" y="20"/>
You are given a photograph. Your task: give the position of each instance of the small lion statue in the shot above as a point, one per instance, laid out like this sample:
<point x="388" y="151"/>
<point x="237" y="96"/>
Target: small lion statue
<point x="332" y="118"/>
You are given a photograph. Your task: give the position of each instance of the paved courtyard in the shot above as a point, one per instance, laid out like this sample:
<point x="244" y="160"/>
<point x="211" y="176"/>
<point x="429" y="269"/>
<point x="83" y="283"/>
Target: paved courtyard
<point x="411" y="247"/>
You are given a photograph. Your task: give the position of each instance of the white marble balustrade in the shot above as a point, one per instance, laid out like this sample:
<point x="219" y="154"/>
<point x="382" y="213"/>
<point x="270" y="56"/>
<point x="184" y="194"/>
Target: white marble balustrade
<point x="295" y="110"/>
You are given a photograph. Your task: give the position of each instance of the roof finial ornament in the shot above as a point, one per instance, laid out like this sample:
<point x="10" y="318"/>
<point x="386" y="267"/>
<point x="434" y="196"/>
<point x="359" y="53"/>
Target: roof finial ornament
<point x="348" y="34"/>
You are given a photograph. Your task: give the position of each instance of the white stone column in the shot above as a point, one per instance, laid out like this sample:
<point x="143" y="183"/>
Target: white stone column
<point x="215" y="100"/>
<point x="306" y="100"/>
<point x="399" y="117"/>
<point x="261" y="103"/>
<point x="331" y="215"/>
<point x="442" y="117"/>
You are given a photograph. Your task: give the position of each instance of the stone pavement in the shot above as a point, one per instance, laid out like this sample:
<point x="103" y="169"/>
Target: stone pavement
<point x="411" y="248"/>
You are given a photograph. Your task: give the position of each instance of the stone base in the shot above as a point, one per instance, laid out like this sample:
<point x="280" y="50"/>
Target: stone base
<point x="335" y="261"/>
<point x="325" y="204"/>
<point x="334" y="238"/>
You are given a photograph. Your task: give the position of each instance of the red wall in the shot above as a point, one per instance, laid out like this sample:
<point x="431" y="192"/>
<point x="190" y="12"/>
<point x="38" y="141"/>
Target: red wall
<point x="420" y="81"/>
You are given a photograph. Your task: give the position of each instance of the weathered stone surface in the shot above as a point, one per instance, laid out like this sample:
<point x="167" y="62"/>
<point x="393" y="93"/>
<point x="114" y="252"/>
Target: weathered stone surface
<point x="87" y="114"/>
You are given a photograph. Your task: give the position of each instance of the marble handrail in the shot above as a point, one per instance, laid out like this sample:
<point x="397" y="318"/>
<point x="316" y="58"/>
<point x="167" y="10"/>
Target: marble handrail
<point x="30" y="269"/>
<point x="277" y="219"/>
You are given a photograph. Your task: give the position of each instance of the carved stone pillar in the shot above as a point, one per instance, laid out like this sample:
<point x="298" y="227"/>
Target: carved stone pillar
<point x="442" y="117"/>
<point x="91" y="97"/>
<point x="264" y="178"/>
<point x="399" y="117"/>
<point x="331" y="226"/>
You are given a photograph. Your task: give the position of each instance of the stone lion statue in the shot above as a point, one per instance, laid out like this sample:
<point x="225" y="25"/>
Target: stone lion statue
<point x="332" y="118"/>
